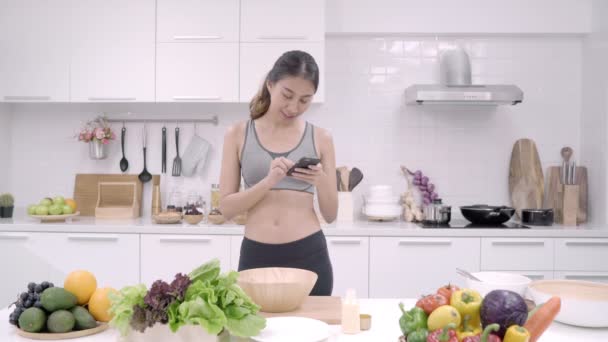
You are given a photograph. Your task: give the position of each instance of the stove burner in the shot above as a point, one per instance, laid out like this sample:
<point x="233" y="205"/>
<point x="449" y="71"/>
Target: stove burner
<point x="468" y="225"/>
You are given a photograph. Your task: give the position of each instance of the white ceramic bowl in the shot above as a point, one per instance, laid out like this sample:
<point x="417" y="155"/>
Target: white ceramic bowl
<point x="498" y="281"/>
<point x="584" y="303"/>
<point x="382" y="210"/>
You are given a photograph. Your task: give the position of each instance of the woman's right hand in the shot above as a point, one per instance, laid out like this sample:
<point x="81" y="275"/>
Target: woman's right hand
<point x="278" y="170"/>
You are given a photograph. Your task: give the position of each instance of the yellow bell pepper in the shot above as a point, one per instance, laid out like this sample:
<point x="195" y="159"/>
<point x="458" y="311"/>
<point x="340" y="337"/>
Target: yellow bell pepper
<point x="516" y="333"/>
<point x="467" y="329"/>
<point x="468" y="303"/>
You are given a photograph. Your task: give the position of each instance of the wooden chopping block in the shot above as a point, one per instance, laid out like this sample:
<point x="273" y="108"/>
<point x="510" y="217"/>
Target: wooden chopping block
<point x="526" y="181"/>
<point x="324" y="308"/>
<point x="86" y="190"/>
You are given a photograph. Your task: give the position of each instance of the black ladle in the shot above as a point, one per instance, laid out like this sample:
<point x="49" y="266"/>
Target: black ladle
<point x="124" y="163"/>
<point x="145" y="176"/>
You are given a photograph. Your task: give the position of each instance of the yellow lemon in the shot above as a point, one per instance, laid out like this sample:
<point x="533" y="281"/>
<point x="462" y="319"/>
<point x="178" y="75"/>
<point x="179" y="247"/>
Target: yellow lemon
<point x="100" y="303"/>
<point x="82" y="284"/>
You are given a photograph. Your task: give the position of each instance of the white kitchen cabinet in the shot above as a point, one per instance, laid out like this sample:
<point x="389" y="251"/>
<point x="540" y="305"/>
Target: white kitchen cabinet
<point x="403" y="267"/>
<point x="573" y="254"/>
<point x="20" y="263"/>
<point x="504" y="254"/>
<point x="534" y="275"/>
<point x="112" y="258"/>
<point x="112" y="52"/>
<point x="272" y="20"/>
<point x="34" y="45"/>
<point x="258" y="58"/>
<point x="197" y="21"/>
<point x="162" y="256"/>
<point x="598" y="277"/>
<point x="197" y="72"/>
<point x="350" y="262"/>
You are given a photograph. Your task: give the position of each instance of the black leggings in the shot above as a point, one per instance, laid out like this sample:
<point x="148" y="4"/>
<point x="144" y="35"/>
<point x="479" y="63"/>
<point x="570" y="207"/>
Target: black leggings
<point x="309" y="253"/>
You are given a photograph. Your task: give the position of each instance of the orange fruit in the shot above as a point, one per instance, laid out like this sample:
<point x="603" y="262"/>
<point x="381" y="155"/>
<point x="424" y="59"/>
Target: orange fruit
<point x="99" y="304"/>
<point x="81" y="284"/>
<point x="71" y="203"/>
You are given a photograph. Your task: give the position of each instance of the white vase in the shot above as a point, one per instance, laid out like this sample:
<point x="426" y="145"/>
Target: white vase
<point x="186" y="333"/>
<point x="97" y="150"/>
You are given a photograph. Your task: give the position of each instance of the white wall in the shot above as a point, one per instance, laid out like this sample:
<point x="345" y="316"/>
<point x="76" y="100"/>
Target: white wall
<point x="463" y="16"/>
<point x="5" y="157"/>
<point x="465" y="151"/>
<point x="595" y="111"/>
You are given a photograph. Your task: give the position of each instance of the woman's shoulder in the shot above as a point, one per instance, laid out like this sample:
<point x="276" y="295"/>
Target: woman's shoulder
<point x="322" y="134"/>
<point x="237" y="130"/>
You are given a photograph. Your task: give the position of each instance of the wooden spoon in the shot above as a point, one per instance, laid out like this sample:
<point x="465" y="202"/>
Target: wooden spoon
<point x="344" y="177"/>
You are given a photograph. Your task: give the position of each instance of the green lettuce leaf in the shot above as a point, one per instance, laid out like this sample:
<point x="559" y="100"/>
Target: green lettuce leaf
<point x="122" y="304"/>
<point x="200" y="312"/>
<point x="249" y="325"/>
<point x="209" y="271"/>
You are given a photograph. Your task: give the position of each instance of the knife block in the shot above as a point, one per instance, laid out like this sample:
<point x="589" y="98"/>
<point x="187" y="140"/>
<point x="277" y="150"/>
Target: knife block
<point x="555" y="193"/>
<point x="568" y="202"/>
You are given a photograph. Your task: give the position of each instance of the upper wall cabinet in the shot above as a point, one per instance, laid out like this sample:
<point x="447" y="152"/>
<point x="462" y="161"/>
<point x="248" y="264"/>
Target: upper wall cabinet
<point x="197" y="21"/>
<point x="272" y="20"/>
<point x="113" y="51"/>
<point x="34" y="51"/>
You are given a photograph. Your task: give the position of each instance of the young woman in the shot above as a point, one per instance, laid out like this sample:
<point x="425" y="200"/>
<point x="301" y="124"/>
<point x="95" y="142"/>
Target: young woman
<point x="282" y="227"/>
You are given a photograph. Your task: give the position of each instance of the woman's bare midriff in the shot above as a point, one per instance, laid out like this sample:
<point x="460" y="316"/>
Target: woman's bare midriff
<point x="282" y="216"/>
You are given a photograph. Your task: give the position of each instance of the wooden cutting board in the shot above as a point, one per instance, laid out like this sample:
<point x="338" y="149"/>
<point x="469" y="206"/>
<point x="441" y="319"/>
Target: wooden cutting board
<point x="86" y="190"/>
<point x="324" y="308"/>
<point x="553" y="190"/>
<point x="526" y="181"/>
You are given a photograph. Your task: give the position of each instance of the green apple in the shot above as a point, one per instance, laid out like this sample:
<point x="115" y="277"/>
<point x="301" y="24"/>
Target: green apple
<point x="31" y="210"/>
<point x="46" y="202"/>
<point x="67" y="210"/>
<point x="42" y="210"/>
<point x="55" y="209"/>
<point x="59" y="200"/>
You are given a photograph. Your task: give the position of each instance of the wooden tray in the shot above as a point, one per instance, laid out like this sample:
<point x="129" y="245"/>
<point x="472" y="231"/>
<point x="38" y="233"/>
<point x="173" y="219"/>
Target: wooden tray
<point x="54" y="218"/>
<point x="63" y="336"/>
<point x="324" y="308"/>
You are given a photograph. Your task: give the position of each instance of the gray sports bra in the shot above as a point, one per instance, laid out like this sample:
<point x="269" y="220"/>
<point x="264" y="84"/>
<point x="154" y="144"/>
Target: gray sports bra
<point x="255" y="159"/>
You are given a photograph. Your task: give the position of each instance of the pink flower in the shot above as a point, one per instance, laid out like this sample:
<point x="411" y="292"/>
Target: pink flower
<point x="88" y="136"/>
<point x="105" y="141"/>
<point x="99" y="133"/>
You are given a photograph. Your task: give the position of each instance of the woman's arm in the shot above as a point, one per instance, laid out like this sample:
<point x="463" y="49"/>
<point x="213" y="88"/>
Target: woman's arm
<point x="233" y="202"/>
<point x="327" y="191"/>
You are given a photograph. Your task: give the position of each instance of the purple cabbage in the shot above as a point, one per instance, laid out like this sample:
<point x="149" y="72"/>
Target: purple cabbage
<point x="505" y="308"/>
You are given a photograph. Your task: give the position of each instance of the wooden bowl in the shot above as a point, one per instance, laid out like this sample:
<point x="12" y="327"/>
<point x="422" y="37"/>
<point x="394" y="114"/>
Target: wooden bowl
<point x="277" y="289"/>
<point x="583" y="302"/>
<point x="167" y="217"/>
<point x="216" y="219"/>
<point x="193" y="219"/>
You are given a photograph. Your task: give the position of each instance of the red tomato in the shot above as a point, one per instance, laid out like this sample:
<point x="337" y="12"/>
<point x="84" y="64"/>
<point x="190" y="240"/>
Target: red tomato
<point x="447" y="291"/>
<point x="431" y="302"/>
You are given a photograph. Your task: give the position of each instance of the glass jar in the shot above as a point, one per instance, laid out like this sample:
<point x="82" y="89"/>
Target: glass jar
<point x="215" y="196"/>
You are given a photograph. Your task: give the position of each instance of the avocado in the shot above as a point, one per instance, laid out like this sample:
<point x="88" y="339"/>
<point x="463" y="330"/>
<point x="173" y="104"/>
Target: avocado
<point x="84" y="320"/>
<point x="61" y="321"/>
<point x="57" y="298"/>
<point x="32" y="320"/>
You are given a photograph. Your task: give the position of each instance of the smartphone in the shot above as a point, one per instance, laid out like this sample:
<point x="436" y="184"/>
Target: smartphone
<point x="303" y="163"/>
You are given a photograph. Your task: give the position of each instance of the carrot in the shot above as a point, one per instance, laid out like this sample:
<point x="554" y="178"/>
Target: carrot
<point x="542" y="318"/>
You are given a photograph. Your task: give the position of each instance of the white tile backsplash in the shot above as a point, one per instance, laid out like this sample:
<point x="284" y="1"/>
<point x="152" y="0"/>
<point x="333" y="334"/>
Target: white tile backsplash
<point x="464" y="150"/>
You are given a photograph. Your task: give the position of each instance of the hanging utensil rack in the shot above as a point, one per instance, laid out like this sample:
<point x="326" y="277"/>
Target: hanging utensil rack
<point x="213" y="120"/>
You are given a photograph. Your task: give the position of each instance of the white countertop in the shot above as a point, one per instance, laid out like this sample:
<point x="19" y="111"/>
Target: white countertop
<point x="81" y="224"/>
<point x="385" y="327"/>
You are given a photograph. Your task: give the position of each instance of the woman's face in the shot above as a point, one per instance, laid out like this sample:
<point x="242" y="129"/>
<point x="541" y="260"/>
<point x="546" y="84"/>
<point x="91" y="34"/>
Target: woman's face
<point x="290" y="96"/>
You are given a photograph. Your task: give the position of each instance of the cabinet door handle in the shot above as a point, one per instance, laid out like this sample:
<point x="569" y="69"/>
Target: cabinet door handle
<point x="14" y="237"/>
<point x="27" y="98"/>
<point x="185" y="240"/>
<point x="518" y="243"/>
<point x="196" y="37"/>
<point x="588" y="277"/>
<point x="197" y="98"/>
<point x="587" y="243"/>
<point x="112" y="98"/>
<point x="282" y="37"/>
<point x="404" y="242"/>
<point x="100" y="238"/>
<point x="345" y="241"/>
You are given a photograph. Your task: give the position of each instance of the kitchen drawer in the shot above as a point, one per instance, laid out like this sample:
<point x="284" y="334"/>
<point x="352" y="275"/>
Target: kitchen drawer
<point x="162" y="256"/>
<point x="503" y="254"/>
<point x="410" y="267"/>
<point x="581" y="254"/>
<point x="350" y="262"/>
<point x="20" y="263"/>
<point x="598" y="277"/>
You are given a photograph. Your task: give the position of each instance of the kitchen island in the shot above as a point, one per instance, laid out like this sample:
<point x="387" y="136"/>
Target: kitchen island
<point x="385" y="327"/>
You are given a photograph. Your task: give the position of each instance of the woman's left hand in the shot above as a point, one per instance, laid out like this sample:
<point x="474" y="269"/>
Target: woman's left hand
<point x="312" y="175"/>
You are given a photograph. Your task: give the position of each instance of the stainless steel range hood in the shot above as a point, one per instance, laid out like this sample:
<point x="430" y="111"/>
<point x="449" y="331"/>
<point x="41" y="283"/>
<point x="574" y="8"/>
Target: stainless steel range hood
<point x="456" y="87"/>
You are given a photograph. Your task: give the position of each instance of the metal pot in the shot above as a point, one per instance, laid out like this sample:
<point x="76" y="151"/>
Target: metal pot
<point x="486" y="214"/>
<point x="436" y="213"/>
<point x="537" y="217"/>
<point x="97" y="150"/>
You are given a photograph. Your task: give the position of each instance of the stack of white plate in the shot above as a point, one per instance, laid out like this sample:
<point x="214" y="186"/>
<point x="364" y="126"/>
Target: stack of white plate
<point x="381" y="203"/>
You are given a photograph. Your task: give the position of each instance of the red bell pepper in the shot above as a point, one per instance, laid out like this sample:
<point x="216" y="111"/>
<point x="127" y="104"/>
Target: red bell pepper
<point x="486" y="335"/>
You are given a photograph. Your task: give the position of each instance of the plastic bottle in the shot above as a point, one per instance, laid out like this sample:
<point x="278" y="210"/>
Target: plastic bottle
<point x="351" y="323"/>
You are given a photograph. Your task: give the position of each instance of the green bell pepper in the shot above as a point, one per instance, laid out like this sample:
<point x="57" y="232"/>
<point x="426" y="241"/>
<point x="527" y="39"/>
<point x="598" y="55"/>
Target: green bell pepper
<point x="412" y="320"/>
<point x="419" y="335"/>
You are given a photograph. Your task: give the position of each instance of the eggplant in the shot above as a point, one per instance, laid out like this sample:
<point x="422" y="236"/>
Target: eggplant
<point x="504" y="307"/>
